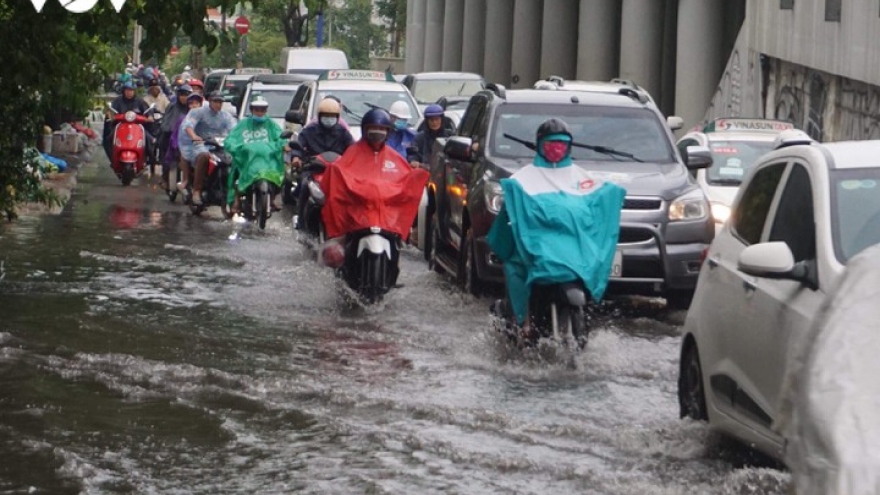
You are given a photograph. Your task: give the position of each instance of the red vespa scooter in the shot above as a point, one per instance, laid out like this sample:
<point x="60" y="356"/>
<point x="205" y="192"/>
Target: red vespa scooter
<point x="129" y="145"/>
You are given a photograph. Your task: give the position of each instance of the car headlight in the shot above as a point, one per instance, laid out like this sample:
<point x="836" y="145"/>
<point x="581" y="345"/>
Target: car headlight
<point x="494" y="196"/>
<point x="721" y="212"/>
<point x="690" y="206"/>
<point x="130" y="116"/>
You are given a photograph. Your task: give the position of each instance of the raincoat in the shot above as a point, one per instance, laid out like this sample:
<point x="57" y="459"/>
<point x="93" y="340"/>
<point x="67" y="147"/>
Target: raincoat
<point x="557" y="224"/>
<point x="371" y="189"/>
<point x="257" y="152"/>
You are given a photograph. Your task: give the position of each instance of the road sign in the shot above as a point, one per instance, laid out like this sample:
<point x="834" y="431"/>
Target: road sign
<point x="242" y="25"/>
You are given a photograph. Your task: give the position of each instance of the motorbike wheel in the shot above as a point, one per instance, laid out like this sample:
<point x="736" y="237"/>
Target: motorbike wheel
<point x="263" y="206"/>
<point x="372" y="276"/>
<point x="287" y="193"/>
<point x="172" y="186"/>
<point x="127" y="174"/>
<point x="578" y="321"/>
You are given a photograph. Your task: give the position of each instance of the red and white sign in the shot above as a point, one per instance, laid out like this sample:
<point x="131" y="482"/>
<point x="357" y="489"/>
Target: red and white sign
<point x="242" y="25"/>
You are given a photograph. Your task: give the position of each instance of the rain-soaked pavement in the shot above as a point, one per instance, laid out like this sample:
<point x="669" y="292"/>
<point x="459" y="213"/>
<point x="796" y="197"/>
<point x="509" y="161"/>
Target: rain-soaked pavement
<point x="143" y="351"/>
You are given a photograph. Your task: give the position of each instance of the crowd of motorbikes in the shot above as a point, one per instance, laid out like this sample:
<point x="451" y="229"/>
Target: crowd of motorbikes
<point x="365" y="254"/>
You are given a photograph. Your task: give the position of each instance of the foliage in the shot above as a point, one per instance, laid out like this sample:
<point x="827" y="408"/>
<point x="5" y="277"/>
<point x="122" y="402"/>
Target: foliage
<point x="355" y="34"/>
<point x="291" y="19"/>
<point x="393" y="12"/>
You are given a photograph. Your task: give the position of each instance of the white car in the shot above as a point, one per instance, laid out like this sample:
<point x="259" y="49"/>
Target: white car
<point x="802" y="212"/>
<point x="735" y="144"/>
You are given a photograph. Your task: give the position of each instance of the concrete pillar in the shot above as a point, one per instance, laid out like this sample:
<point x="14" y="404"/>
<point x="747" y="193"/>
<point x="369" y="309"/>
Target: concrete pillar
<point x="499" y="41"/>
<point x="559" y="38"/>
<point x="598" y="40"/>
<point x="700" y="42"/>
<point x="415" y="35"/>
<point x="641" y="43"/>
<point x="526" y="65"/>
<point x="473" y="40"/>
<point x="453" y="24"/>
<point x="434" y="35"/>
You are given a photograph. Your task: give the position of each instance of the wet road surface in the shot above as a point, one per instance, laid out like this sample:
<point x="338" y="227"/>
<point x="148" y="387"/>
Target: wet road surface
<point x="144" y="350"/>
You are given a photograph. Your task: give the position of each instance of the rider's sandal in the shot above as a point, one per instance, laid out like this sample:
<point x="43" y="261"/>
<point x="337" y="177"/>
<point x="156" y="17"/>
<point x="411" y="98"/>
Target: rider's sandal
<point x="197" y="198"/>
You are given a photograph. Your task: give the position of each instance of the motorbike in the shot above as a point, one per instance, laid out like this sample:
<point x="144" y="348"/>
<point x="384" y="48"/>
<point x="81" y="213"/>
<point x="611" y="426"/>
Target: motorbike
<point x="556" y="311"/>
<point x="215" y="185"/>
<point x="367" y="224"/>
<point x="129" y="144"/>
<point x="312" y="172"/>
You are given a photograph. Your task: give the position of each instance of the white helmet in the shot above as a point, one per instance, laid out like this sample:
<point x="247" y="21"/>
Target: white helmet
<point x="259" y="102"/>
<point x="400" y="110"/>
<point x="187" y="68"/>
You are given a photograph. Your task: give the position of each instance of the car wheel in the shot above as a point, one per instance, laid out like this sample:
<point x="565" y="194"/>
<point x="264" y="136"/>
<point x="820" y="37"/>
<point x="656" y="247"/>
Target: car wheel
<point x="429" y="238"/>
<point x="467" y="269"/>
<point x="432" y="252"/>
<point x="691" y="395"/>
<point x="679" y="299"/>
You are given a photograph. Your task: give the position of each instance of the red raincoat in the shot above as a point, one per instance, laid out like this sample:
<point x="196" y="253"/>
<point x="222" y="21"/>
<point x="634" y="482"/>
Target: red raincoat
<point x="368" y="189"/>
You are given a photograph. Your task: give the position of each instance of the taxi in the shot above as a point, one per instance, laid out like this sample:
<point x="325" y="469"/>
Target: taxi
<point x="735" y="144"/>
<point x="358" y="90"/>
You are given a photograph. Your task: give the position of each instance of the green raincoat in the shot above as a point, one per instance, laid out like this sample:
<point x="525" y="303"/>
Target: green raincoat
<point x="257" y="153"/>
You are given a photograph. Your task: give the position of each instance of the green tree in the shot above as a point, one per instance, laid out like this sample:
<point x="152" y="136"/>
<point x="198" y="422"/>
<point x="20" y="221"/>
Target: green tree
<point x="393" y="12"/>
<point x="292" y="19"/>
<point x="355" y="34"/>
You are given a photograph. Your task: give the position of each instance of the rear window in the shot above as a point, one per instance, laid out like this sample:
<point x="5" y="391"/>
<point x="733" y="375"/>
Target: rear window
<point x="430" y="90"/>
<point x="637" y="131"/>
<point x="279" y="101"/>
<point x="731" y="160"/>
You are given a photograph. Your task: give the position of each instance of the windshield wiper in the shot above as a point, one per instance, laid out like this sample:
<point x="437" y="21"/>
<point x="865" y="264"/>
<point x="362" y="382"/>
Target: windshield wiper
<point x="353" y="114"/>
<point x="598" y="149"/>
<point x="725" y="182"/>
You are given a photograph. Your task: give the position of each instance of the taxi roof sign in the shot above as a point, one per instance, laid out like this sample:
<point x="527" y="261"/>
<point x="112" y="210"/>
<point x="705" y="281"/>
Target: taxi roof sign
<point x="750" y="125"/>
<point x="356" y="75"/>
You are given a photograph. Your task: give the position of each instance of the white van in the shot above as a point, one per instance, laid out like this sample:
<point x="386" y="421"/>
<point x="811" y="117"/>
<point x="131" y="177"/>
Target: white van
<point x="301" y="60"/>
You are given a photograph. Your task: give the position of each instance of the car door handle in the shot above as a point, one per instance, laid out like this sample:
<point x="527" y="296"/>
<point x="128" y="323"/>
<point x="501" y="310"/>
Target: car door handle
<point x="713" y="261"/>
<point x="748" y="286"/>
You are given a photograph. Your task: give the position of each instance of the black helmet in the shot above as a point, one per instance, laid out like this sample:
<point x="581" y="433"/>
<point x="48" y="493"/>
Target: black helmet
<point x="552" y="126"/>
<point x="376" y="117"/>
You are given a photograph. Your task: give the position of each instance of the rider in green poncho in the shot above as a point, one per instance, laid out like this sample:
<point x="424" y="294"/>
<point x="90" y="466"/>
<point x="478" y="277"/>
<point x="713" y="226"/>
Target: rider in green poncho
<point x="257" y="150"/>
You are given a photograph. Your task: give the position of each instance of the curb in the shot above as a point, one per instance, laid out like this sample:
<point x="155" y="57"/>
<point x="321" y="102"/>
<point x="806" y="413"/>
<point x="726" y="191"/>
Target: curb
<point x="63" y="183"/>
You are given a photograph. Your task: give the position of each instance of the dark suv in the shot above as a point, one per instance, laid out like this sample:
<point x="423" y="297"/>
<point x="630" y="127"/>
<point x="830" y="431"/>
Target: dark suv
<point x="666" y="223"/>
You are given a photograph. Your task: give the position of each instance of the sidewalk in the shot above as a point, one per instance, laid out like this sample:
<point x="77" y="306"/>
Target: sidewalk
<point x="63" y="183"/>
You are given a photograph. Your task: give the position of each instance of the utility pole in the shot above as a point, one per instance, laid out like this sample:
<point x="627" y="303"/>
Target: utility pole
<point x="136" y="49"/>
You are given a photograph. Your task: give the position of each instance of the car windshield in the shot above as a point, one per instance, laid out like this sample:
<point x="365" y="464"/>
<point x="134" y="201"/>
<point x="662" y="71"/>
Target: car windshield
<point x="357" y="103"/>
<point x="279" y="101"/>
<point x="731" y="160"/>
<point x="855" y="200"/>
<point x="431" y="90"/>
<point x="636" y="131"/>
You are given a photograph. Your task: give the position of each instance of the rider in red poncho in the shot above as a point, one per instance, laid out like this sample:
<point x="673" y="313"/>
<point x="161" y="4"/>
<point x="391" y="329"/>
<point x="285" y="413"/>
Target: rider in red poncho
<point x="372" y="185"/>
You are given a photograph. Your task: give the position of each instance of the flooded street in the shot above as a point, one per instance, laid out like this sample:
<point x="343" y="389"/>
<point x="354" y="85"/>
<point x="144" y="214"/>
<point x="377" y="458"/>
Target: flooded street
<point x="144" y="351"/>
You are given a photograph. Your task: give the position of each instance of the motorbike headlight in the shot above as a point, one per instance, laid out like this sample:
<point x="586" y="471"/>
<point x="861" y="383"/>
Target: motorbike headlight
<point x="720" y="212"/>
<point x="690" y="206"/>
<point x="130" y="116"/>
<point x="494" y="196"/>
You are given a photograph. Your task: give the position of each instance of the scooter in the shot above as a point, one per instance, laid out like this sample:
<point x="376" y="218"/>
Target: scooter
<point x="216" y="177"/>
<point x="129" y="144"/>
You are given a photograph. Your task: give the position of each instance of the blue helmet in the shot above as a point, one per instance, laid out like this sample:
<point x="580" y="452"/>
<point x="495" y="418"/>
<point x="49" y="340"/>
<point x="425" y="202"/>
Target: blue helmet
<point x="376" y="117"/>
<point x="433" y="110"/>
<point x="128" y="85"/>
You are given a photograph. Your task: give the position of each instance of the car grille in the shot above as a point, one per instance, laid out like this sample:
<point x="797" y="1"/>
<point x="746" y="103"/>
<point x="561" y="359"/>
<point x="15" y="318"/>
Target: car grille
<point x="631" y="235"/>
<point x="642" y="204"/>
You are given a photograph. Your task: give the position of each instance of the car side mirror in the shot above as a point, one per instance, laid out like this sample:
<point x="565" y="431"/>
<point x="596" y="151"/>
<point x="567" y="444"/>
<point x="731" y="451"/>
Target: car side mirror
<point x="294" y="117"/>
<point x="459" y="148"/>
<point x="698" y="157"/>
<point x="766" y="259"/>
<point x="674" y="122"/>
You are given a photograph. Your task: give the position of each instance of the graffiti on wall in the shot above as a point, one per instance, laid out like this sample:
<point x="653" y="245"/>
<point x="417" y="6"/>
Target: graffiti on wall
<point x="828" y="107"/>
<point x="739" y="92"/>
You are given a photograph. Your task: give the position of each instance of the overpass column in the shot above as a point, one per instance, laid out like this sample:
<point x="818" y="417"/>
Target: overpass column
<point x="434" y="35"/>
<point x="453" y="23"/>
<point x="499" y="41"/>
<point x="473" y="40"/>
<point x="415" y="35"/>
<point x="698" y="65"/>
<point x="526" y="65"/>
<point x="641" y="43"/>
<point x="598" y="40"/>
<point x="558" y="38"/>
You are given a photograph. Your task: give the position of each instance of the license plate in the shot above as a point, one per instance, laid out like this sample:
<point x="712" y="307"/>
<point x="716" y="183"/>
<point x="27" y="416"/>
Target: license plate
<point x="617" y="264"/>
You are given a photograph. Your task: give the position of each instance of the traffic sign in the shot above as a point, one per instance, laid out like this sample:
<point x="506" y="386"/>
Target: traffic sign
<point x="242" y="25"/>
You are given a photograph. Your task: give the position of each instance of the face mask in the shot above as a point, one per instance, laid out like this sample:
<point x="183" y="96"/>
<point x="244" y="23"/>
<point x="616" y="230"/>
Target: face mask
<point x="376" y="136"/>
<point x="259" y="120"/>
<point x="400" y="125"/>
<point x="554" y="151"/>
<point x="329" y="121"/>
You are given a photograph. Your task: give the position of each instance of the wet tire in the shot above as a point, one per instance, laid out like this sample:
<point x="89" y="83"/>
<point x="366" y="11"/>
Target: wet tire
<point x="579" y="329"/>
<point x="432" y="252"/>
<point x="429" y="238"/>
<point x="691" y="395"/>
<point x="263" y="208"/>
<point x="677" y="299"/>
<point x="127" y="174"/>
<point x="467" y="269"/>
<point x="371" y="279"/>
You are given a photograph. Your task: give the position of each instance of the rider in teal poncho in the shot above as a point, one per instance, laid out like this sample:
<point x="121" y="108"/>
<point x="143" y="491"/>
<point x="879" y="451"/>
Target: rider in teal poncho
<point x="257" y="150"/>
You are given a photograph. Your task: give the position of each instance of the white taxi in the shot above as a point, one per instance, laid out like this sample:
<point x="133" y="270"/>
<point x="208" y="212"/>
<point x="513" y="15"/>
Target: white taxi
<point x="802" y="212"/>
<point x="735" y="144"/>
<point x="357" y="90"/>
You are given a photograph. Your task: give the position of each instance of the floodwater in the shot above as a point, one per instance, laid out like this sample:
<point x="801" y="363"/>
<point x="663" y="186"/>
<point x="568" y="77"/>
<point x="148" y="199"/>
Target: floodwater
<point x="144" y="350"/>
